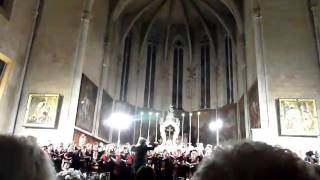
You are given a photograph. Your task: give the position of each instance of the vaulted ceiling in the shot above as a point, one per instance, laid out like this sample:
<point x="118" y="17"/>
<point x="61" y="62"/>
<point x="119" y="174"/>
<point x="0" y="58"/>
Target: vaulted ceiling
<point x="171" y="16"/>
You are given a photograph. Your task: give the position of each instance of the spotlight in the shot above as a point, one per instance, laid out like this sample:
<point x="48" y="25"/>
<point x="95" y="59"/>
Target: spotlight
<point x="216" y="125"/>
<point x="219" y="124"/>
<point x="119" y="121"/>
<point x="141" y="113"/>
<point x="182" y="114"/>
<point x="150" y="113"/>
<point x="198" y="113"/>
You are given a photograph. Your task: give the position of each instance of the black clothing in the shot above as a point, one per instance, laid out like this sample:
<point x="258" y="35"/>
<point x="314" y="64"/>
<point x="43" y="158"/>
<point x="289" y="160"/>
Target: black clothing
<point x="141" y="155"/>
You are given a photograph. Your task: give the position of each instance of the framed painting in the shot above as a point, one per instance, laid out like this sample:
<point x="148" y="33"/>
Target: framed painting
<point x="253" y="106"/>
<point x="298" y="117"/>
<point x="42" y="110"/>
<point x="5" y="68"/>
<point x="105" y="113"/>
<point x="86" y="104"/>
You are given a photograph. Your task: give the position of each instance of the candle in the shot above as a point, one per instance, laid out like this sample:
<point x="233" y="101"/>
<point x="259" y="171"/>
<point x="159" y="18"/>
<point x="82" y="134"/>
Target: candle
<point x="150" y="114"/>
<point x="190" y="117"/>
<point x="157" y="116"/>
<point x="198" y="137"/>
<point x="141" y="115"/>
<point x="182" y="125"/>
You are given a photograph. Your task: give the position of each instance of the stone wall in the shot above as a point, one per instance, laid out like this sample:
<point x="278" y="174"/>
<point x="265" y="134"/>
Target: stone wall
<point x="51" y="66"/>
<point x="14" y="35"/>
<point x="291" y="64"/>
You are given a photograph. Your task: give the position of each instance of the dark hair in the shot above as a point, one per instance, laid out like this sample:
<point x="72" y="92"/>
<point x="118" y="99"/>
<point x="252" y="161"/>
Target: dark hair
<point x="253" y="161"/>
<point x="145" y="173"/>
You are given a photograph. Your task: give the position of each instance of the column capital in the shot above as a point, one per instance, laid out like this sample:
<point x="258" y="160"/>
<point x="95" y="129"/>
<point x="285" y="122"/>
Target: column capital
<point x="313" y="4"/>
<point x="86" y="16"/>
<point x="256" y="13"/>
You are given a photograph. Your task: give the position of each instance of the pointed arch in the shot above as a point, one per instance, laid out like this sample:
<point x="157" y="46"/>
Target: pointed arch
<point x="205" y="71"/>
<point x="177" y="79"/>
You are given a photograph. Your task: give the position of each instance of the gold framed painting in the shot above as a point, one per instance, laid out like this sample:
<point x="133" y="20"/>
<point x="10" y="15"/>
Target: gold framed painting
<point x="298" y="117"/>
<point x="42" y="110"/>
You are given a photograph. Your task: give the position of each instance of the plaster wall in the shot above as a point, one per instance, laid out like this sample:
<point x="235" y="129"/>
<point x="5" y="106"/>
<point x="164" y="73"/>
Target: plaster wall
<point x="292" y="66"/>
<point x="251" y="66"/>
<point x="14" y="36"/>
<point x="51" y="66"/>
<point x="95" y="44"/>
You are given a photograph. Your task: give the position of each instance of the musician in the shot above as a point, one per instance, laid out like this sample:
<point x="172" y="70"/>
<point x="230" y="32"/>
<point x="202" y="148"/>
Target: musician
<point x="194" y="161"/>
<point x="141" y="151"/>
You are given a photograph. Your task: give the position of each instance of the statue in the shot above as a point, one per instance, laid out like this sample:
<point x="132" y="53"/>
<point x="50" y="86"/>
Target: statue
<point x="169" y="128"/>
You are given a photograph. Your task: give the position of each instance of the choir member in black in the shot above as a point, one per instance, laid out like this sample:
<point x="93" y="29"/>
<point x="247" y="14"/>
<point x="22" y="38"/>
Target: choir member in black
<point x="141" y="153"/>
<point x="194" y="161"/>
<point x="67" y="158"/>
<point x="183" y="168"/>
<point x="76" y="156"/>
<point x="85" y="160"/>
<point x="54" y="154"/>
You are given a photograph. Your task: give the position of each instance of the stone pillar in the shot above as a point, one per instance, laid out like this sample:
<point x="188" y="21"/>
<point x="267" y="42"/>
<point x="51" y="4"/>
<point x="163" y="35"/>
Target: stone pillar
<point x="103" y="75"/>
<point x="35" y="24"/>
<point x="241" y="68"/>
<point x="315" y="19"/>
<point x="79" y="60"/>
<point x="262" y="75"/>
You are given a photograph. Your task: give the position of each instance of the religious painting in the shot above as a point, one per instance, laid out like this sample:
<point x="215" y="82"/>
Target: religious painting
<point x="5" y="68"/>
<point x="42" y="110"/>
<point x="106" y="111"/>
<point x="228" y="114"/>
<point x="206" y="135"/>
<point x="86" y="104"/>
<point x="298" y="117"/>
<point x="253" y="105"/>
<point x="3" y="65"/>
<point x="242" y="118"/>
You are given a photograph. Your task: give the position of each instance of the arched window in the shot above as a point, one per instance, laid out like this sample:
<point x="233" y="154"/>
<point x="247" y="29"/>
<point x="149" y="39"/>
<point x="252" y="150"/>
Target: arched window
<point x="177" y="85"/>
<point x="150" y="75"/>
<point x="125" y="69"/>
<point x="229" y="69"/>
<point x="205" y="72"/>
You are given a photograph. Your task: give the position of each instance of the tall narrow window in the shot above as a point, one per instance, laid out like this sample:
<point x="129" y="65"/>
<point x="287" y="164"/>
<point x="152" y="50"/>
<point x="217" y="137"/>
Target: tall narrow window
<point x="150" y="75"/>
<point x="205" y="72"/>
<point x="125" y="69"/>
<point x="177" y="75"/>
<point x="229" y="69"/>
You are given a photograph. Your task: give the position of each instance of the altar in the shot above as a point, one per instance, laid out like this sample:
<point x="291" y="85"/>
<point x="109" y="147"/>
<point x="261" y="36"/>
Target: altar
<point x="169" y="128"/>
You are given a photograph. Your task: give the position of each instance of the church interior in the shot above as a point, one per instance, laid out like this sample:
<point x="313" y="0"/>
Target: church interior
<point x="183" y="71"/>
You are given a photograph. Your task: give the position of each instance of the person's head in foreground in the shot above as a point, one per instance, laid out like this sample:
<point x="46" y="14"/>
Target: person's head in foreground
<point x="253" y="161"/>
<point x="145" y="173"/>
<point x="22" y="159"/>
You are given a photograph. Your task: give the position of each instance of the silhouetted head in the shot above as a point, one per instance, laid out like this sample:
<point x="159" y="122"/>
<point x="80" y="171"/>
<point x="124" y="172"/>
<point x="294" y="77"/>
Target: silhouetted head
<point x="145" y="173"/>
<point x="253" y="161"/>
<point x="22" y="159"/>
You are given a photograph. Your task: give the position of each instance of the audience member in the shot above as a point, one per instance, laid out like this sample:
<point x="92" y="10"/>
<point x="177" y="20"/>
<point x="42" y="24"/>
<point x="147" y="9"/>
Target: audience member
<point x="22" y="159"/>
<point x="145" y="173"/>
<point x="254" y="161"/>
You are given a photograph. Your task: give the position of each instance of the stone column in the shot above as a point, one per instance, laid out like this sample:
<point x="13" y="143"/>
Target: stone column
<point x="241" y="69"/>
<point x="103" y="75"/>
<point x="79" y="60"/>
<point x="262" y="75"/>
<point x="37" y="12"/>
<point x="315" y="19"/>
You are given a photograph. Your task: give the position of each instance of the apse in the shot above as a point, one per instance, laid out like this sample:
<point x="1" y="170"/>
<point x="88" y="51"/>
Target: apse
<point x="168" y="52"/>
